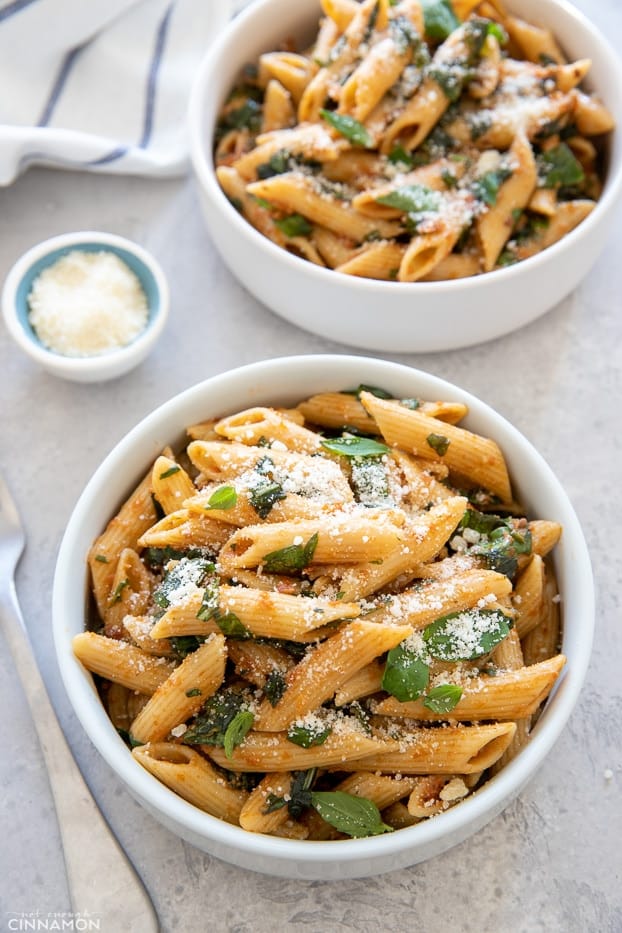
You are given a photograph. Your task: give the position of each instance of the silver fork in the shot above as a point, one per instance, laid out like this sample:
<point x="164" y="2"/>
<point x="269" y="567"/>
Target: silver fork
<point x="102" y="881"/>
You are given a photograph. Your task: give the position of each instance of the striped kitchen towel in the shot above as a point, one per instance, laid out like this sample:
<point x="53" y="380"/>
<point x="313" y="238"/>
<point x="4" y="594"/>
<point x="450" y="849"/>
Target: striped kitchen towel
<point x="100" y="85"/>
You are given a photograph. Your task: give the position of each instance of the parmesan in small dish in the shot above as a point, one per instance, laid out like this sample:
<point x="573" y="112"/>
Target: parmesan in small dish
<point x="87" y="306"/>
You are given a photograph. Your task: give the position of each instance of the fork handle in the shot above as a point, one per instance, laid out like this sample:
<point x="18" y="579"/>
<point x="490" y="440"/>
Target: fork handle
<point x="101" y="879"/>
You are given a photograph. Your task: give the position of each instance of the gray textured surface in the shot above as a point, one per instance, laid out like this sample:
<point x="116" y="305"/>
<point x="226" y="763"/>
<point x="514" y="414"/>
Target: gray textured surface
<point x="552" y="860"/>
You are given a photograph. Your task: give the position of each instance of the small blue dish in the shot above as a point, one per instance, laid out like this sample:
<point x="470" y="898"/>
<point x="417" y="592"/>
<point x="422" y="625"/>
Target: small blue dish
<point x="104" y="366"/>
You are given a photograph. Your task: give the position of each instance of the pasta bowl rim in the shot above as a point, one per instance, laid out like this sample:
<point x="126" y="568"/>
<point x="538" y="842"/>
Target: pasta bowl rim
<point x="472" y="287"/>
<point x="100" y="367"/>
<point x="272" y="855"/>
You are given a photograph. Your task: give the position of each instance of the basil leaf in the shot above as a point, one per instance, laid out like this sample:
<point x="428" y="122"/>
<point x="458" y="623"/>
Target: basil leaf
<point x="294" y="225"/>
<point x="224" y="498"/>
<point x="264" y="496"/>
<point x="300" y="792"/>
<point x="354" y="446"/>
<point x="450" y="77"/>
<point x="210" y="726"/>
<point x="412" y="199"/>
<point x="356" y="816"/>
<point x="237" y="730"/>
<point x="274" y="802"/>
<point x="352" y="129"/>
<point x="406" y="673"/>
<point x="277" y="164"/>
<point x="439" y="443"/>
<point x="399" y="156"/>
<point x="307" y="738"/>
<point x="404" y="34"/>
<point x="412" y="403"/>
<point x="230" y="625"/>
<point x="559" y="167"/>
<point x="158" y="556"/>
<point x="274" y="687"/>
<point x="248" y="116"/>
<point x="467" y="635"/>
<point x="439" y="18"/>
<point x="373" y="390"/>
<point x="486" y="187"/>
<point x="292" y="558"/>
<point x="369" y="480"/>
<point x="187" y="570"/>
<point x="195" y="692"/>
<point x="170" y="472"/>
<point x="443" y="698"/>
<point x="183" y="645"/>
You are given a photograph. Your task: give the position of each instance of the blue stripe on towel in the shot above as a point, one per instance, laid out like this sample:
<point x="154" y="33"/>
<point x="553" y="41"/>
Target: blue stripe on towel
<point x="112" y="156"/>
<point x="153" y="77"/>
<point x="15" y="7"/>
<point x="58" y="85"/>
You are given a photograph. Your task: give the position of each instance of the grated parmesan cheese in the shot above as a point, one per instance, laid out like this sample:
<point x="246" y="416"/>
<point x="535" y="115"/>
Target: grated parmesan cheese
<point x="87" y="304"/>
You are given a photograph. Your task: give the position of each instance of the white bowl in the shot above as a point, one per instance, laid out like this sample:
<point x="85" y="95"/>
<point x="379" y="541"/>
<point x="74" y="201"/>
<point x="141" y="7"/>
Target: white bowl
<point x="394" y="316"/>
<point x="85" y="368"/>
<point x="284" y="382"/>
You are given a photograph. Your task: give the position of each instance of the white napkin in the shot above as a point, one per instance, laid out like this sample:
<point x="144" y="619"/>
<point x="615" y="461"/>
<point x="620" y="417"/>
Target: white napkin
<point x="101" y="85"/>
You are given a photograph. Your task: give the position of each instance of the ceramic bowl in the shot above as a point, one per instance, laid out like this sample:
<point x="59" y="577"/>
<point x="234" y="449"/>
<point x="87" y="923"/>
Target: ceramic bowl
<point x="384" y="315"/>
<point x="284" y="382"/>
<point x="104" y="366"/>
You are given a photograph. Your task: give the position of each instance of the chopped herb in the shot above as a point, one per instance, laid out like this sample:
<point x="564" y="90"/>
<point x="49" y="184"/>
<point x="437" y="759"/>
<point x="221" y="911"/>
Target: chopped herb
<point x="262" y="202"/>
<point x="265" y="496"/>
<point x="248" y="117"/>
<point x="372" y="237"/>
<point x="183" y="645"/>
<point x="292" y="558"/>
<point x="373" y="390"/>
<point x="479" y="123"/>
<point x="170" y="472"/>
<point x="507" y="258"/>
<point x="369" y="480"/>
<point x="439" y="443"/>
<point x="496" y="29"/>
<point x="237" y="730"/>
<point x="439" y="19"/>
<point x="465" y="636"/>
<point x="500" y="540"/>
<point x="277" y="164"/>
<point x="371" y="22"/>
<point x="230" y="625"/>
<point x="443" y="698"/>
<point x="404" y="34"/>
<point x="307" y="738"/>
<point x="399" y="156"/>
<point x="545" y="59"/>
<point x="274" y="802"/>
<point x="559" y="167"/>
<point x="450" y="77"/>
<point x="118" y="593"/>
<point x="486" y="187"/>
<point x="392" y="274"/>
<point x="102" y="558"/>
<point x="274" y="687"/>
<point x="210" y="726"/>
<point x="195" y="692"/>
<point x="355" y="446"/>
<point x="414" y="200"/>
<point x="300" y="792"/>
<point x="134" y="742"/>
<point x="294" y="225"/>
<point x="223" y="499"/>
<point x="187" y="570"/>
<point x="412" y="403"/>
<point x="347" y="126"/>
<point x="356" y="816"/>
<point x="449" y="179"/>
<point x="209" y="602"/>
<point x="406" y="673"/>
